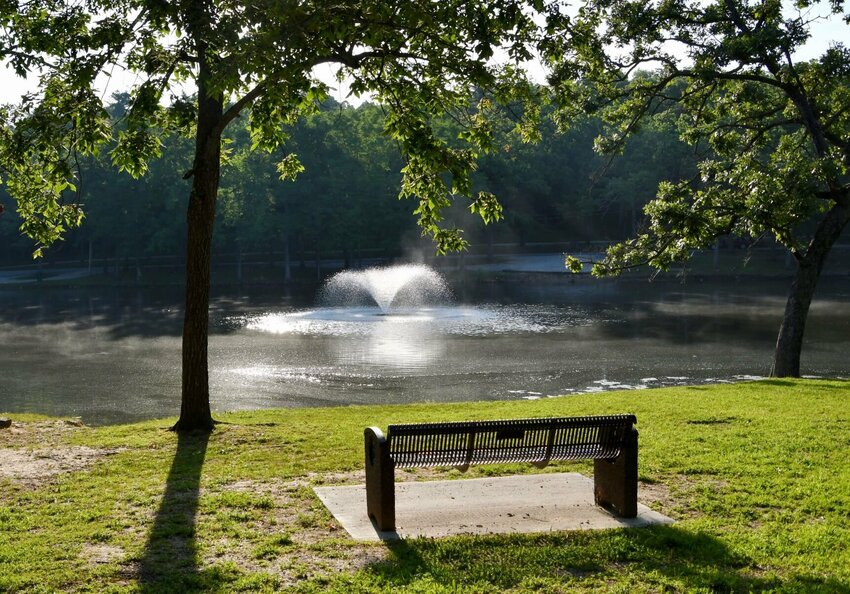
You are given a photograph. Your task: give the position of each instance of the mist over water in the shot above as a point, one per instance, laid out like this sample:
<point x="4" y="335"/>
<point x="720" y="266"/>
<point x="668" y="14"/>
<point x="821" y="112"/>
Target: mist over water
<point x="112" y="355"/>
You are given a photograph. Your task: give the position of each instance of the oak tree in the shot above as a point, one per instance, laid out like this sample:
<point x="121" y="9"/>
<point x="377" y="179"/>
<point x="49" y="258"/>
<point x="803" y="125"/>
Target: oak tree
<point x="773" y="131"/>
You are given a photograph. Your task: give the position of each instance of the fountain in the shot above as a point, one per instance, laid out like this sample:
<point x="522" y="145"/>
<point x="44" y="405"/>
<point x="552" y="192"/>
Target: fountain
<point x="394" y="288"/>
<point x="405" y="301"/>
<point x="394" y="320"/>
<point x="362" y="303"/>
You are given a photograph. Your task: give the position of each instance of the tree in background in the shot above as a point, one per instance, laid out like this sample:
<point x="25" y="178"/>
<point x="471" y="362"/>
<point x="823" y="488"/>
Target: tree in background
<point x="557" y="189"/>
<point x="341" y="202"/>
<point x="204" y="64"/>
<point x="774" y="132"/>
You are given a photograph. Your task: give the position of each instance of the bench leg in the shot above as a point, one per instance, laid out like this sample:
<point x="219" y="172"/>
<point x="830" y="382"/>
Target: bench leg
<point x="615" y="481"/>
<point x="380" y="480"/>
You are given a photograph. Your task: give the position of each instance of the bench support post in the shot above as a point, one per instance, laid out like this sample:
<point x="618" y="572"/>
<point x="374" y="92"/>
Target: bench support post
<point x="615" y="481"/>
<point x="380" y="480"/>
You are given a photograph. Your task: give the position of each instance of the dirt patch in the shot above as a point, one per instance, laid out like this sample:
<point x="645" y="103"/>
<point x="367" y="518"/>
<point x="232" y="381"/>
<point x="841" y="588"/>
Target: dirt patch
<point x="42" y="432"/>
<point x="95" y="554"/>
<point x="33" y="467"/>
<point x="656" y="496"/>
<point x="318" y="544"/>
<point x="673" y="495"/>
<point x="291" y="536"/>
<point x="23" y="464"/>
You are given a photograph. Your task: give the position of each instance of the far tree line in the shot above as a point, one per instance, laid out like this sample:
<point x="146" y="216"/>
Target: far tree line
<point x="345" y="201"/>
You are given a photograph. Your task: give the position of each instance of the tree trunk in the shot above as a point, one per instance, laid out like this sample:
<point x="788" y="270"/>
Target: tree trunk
<point x="789" y="344"/>
<point x="195" y="402"/>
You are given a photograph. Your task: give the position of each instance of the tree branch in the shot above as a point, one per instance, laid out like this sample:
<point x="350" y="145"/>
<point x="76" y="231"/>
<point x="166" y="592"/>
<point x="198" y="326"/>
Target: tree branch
<point x="236" y="108"/>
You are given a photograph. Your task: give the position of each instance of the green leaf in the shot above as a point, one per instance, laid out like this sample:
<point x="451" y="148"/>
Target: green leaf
<point x="289" y="167"/>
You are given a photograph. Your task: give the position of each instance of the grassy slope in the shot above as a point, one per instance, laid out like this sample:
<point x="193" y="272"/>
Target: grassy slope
<point x="756" y="474"/>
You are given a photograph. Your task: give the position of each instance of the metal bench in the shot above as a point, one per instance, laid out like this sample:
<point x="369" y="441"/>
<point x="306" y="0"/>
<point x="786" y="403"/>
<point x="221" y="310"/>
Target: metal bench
<point x="611" y="441"/>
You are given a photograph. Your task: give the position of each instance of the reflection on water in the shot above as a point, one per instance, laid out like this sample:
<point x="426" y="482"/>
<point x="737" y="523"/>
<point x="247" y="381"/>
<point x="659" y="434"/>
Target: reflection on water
<point x="112" y="355"/>
<point x="394" y="347"/>
<point x="271" y="372"/>
<point x="410" y="341"/>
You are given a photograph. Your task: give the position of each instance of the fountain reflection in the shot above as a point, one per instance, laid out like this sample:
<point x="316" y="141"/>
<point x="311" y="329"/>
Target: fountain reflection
<point x="394" y="346"/>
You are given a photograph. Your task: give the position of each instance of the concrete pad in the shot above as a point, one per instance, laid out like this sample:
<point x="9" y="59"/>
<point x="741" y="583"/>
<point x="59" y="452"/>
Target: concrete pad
<point x="499" y="505"/>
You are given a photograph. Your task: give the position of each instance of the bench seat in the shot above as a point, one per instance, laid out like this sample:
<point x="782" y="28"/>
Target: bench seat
<point x="611" y="441"/>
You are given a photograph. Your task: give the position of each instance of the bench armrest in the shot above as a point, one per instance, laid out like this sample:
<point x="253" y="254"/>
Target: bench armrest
<point x="380" y="479"/>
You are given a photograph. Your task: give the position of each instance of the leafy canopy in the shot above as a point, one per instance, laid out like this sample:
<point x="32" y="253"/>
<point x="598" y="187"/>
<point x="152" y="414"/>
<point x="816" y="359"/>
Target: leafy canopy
<point x="420" y="60"/>
<point x="773" y="133"/>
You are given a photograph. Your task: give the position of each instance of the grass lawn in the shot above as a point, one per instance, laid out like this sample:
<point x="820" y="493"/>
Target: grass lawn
<point x="756" y="475"/>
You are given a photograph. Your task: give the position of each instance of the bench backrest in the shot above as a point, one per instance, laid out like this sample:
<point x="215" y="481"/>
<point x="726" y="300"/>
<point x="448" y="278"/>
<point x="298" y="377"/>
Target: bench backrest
<point x="518" y="440"/>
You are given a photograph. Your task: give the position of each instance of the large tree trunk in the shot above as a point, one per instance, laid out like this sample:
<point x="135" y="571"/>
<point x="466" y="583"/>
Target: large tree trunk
<point x="195" y="402"/>
<point x="789" y="344"/>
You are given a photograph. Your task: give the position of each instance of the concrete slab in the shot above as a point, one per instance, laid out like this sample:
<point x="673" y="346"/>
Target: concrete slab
<point x="499" y="505"/>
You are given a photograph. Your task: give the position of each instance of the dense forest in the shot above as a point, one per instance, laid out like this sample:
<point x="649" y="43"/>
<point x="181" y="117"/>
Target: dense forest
<point x="345" y="201"/>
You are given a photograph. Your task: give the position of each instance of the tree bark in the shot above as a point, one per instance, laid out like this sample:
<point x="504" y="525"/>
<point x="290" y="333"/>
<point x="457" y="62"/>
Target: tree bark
<point x="789" y="343"/>
<point x="195" y="401"/>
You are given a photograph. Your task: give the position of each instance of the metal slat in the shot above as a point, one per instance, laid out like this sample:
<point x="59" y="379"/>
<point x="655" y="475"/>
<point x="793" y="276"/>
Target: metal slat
<point x="521" y="440"/>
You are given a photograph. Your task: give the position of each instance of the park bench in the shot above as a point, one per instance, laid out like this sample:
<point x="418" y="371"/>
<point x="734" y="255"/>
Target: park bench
<point x="611" y="441"/>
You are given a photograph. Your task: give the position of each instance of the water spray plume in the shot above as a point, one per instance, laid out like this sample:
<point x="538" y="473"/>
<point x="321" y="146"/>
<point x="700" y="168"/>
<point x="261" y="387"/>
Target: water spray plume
<point x="390" y="288"/>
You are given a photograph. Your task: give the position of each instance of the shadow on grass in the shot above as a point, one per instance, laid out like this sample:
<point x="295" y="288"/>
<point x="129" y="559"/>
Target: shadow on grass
<point x="170" y="562"/>
<point x="660" y="557"/>
<point x="838" y="385"/>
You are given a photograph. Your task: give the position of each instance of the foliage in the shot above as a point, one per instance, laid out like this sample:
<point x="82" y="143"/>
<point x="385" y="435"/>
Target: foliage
<point x="757" y="484"/>
<point x="554" y="190"/>
<point x="419" y="60"/>
<point x="772" y="131"/>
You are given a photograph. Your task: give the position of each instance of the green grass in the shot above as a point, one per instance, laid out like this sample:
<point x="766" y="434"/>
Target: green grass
<point x="756" y="475"/>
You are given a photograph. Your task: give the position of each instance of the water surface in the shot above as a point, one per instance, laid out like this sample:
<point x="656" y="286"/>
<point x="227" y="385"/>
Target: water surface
<point x="110" y="355"/>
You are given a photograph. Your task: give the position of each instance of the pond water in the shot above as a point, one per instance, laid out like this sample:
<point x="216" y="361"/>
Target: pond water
<point x="112" y="355"/>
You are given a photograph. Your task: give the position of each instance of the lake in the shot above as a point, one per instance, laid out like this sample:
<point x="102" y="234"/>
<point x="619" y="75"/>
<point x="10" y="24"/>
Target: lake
<point x="111" y="355"/>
